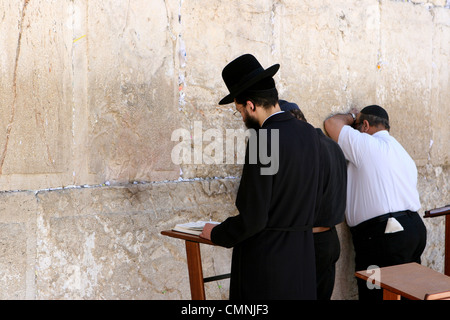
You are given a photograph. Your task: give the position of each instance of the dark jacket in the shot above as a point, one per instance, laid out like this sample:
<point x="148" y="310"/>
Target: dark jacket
<point x="331" y="210"/>
<point x="273" y="255"/>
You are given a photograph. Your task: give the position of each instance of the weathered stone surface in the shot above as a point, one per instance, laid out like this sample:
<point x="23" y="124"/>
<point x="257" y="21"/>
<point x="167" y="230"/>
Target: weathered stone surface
<point x="131" y="91"/>
<point x="345" y="282"/>
<point x="17" y="245"/>
<point x="434" y="187"/>
<point x="35" y="90"/>
<point x="439" y="153"/>
<point x="105" y="243"/>
<point x="91" y="93"/>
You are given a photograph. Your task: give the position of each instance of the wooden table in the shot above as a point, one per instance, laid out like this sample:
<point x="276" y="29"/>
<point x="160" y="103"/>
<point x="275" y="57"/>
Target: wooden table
<point x="194" y="262"/>
<point x="411" y="280"/>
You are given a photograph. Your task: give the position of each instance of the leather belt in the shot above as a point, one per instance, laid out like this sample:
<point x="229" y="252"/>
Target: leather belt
<point x="320" y="229"/>
<point x="384" y="217"/>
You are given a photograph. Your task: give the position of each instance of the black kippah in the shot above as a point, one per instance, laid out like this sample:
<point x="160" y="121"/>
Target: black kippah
<point x="375" y="111"/>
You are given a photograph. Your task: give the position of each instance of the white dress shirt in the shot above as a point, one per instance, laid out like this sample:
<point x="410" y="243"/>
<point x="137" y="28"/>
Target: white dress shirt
<point x="382" y="177"/>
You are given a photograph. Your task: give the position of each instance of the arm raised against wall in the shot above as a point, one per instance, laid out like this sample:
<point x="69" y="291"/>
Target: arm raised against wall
<point x="334" y="124"/>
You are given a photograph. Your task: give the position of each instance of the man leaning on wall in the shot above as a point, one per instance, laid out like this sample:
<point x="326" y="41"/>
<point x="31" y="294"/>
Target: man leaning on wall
<point x="331" y="209"/>
<point x="382" y="196"/>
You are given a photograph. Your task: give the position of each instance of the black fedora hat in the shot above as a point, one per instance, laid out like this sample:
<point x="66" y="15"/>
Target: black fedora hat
<point x="242" y="73"/>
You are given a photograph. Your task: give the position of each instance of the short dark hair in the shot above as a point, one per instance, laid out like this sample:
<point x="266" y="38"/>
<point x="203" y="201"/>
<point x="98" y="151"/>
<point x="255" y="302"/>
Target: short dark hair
<point x="298" y="114"/>
<point x="374" y="120"/>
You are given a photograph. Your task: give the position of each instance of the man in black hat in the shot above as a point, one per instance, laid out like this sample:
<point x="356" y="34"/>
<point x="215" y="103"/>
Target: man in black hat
<point x="331" y="210"/>
<point x="273" y="249"/>
<point x="382" y="196"/>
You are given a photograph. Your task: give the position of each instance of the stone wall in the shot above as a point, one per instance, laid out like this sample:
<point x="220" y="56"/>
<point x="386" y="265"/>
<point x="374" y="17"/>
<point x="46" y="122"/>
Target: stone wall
<point x="91" y="92"/>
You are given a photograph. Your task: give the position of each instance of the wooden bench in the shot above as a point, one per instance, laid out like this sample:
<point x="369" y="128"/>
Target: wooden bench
<point x="411" y="280"/>
<point x="438" y="296"/>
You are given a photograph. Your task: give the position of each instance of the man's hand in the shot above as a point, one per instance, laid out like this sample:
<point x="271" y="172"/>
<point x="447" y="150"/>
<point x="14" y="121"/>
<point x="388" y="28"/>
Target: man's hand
<point x="334" y="124"/>
<point x="206" y="233"/>
<point x="355" y="111"/>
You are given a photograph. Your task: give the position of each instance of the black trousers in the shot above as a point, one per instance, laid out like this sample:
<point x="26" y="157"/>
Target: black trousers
<point x="327" y="248"/>
<point x="374" y="247"/>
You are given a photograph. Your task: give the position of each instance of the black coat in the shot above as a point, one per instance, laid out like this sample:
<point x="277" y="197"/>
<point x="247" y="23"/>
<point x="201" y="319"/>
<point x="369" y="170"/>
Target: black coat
<point x="272" y="240"/>
<point x="331" y="210"/>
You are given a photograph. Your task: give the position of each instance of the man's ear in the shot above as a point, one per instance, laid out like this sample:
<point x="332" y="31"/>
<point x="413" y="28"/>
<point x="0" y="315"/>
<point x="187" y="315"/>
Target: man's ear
<point x="366" y="126"/>
<point x="251" y="105"/>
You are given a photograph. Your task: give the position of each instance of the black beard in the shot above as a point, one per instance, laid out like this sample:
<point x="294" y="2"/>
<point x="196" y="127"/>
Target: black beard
<point x="251" y="123"/>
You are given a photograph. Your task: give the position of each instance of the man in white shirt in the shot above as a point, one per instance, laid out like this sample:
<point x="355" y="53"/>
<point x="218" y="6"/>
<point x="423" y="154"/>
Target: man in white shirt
<point x="382" y="196"/>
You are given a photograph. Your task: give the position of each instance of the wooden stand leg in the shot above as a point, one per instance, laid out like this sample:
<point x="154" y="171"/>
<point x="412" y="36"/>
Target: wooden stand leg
<point x="388" y="295"/>
<point x="194" y="263"/>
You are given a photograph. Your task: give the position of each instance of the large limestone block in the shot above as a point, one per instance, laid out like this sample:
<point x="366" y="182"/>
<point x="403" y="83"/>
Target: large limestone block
<point x="13" y="264"/>
<point x="17" y="245"/>
<point x="131" y="91"/>
<point x="434" y="186"/>
<point x="405" y="74"/>
<point x="440" y="93"/>
<point x="105" y="243"/>
<point x="212" y="33"/>
<point x="35" y="88"/>
<point x="328" y="52"/>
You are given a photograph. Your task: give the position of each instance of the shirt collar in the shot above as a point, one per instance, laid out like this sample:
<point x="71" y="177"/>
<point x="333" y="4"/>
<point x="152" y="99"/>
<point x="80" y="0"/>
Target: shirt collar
<point x="382" y="132"/>
<point x="271" y="116"/>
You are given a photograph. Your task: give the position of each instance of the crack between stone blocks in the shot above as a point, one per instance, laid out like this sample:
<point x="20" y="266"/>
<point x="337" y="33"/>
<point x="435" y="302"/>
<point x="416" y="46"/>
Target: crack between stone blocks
<point x="107" y="184"/>
<point x="272" y="23"/>
<point x="182" y="56"/>
<point x="380" y="55"/>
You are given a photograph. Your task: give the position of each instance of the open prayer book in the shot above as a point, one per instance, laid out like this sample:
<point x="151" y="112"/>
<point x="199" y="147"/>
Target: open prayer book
<point x="192" y="227"/>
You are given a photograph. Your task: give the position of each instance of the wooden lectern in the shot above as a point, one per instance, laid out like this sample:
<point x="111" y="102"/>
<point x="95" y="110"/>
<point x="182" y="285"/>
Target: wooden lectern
<point x="441" y="212"/>
<point x="194" y="262"/>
